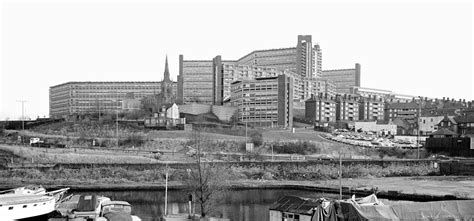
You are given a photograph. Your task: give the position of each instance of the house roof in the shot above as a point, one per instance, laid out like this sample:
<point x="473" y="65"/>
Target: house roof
<point x="448" y="119"/>
<point x="294" y="204"/>
<point x="402" y="105"/>
<point x="438" y="112"/>
<point x="444" y="131"/>
<point x="464" y="119"/>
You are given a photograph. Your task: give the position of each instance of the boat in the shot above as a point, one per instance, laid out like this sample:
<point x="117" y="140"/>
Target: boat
<point x="22" y="203"/>
<point x="93" y="208"/>
<point x="117" y="210"/>
<point x="26" y="190"/>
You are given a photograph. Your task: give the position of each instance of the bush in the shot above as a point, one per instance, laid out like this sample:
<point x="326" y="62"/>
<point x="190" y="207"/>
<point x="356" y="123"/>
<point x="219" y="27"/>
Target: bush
<point x="132" y="140"/>
<point x="256" y="138"/>
<point x="296" y="148"/>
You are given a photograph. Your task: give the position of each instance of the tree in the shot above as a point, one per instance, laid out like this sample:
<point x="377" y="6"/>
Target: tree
<point x="205" y="179"/>
<point x="256" y="138"/>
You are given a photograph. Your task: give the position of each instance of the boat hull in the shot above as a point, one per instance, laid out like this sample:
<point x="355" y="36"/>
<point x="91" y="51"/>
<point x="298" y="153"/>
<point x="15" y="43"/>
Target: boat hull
<point x="29" y="206"/>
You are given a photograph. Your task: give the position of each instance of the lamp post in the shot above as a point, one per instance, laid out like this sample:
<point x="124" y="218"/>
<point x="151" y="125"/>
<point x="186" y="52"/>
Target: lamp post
<point x="22" y="113"/>
<point x="418" y="133"/>
<point x="116" y="123"/>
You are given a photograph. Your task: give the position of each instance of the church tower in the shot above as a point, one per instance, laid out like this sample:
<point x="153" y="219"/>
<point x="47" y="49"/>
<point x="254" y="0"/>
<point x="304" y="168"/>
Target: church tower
<point x="167" y="85"/>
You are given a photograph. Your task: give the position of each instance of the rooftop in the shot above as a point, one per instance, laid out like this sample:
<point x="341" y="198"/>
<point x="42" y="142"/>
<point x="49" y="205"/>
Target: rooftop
<point x="294" y="204"/>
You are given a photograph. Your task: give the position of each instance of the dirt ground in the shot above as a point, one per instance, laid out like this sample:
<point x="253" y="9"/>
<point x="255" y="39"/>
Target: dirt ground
<point x="459" y="186"/>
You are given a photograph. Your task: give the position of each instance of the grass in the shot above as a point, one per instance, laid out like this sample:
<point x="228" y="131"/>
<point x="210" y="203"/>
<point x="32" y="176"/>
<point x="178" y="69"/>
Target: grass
<point x="118" y="175"/>
<point x="74" y="155"/>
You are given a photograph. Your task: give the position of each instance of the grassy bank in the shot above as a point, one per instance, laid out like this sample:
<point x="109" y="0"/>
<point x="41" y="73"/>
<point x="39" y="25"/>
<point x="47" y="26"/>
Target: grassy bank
<point x="77" y="155"/>
<point x="149" y="176"/>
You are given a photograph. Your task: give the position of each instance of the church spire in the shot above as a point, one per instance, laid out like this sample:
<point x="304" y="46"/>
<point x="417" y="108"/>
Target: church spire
<point x="166" y="75"/>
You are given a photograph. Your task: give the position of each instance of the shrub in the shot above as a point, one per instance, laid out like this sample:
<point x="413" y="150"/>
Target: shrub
<point x="296" y="148"/>
<point x="132" y="140"/>
<point x="256" y="138"/>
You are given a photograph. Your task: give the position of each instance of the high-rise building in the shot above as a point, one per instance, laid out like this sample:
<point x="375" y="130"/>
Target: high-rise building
<point x="196" y="81"/>
<point x="264" y="102"/>
<point x="281" y="59"/>
<point x="345" y="79"/>
<point x="302" y="62"/>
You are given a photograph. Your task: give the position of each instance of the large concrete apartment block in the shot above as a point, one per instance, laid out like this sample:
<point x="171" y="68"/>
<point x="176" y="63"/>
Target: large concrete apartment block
<point x="281" y="59"/>
<point x="264" y="102"/>
<point x="93" y="97"/>
<point x="345" y="79"/>
<point x="302" y="62"/>
<point x="197" y="80"/>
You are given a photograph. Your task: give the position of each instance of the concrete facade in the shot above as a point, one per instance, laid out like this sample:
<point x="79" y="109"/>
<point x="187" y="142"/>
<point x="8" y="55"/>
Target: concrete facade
<point x="371" y="108"/>
<point x="197" y="80"/>
<point x="223" y="113"/>
<point x="347" y="108"/>
<point x="208" y="81"/>
<point x="345" y="79"/>
<point x="321" y="108"/>
<point x="264" y="102"/>
<point x="93" y="97"/>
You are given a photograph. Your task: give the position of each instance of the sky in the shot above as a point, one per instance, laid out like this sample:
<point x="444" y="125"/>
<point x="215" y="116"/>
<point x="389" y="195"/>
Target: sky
<point x="421" y="48"/>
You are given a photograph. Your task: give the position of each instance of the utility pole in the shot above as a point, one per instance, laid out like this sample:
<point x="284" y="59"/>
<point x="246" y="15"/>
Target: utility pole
<point x="340" y="176"/>
<point x="418" y="134"/>
<point x="116" y="128"/>
<point x="116" y="122"/>
<point x="22" y="113"/>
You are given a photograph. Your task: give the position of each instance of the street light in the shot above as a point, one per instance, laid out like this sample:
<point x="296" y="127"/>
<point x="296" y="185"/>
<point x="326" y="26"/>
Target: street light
<point x="116" y="123"/>
<point x="22" y="113"/>
<point x="418" y="133"/>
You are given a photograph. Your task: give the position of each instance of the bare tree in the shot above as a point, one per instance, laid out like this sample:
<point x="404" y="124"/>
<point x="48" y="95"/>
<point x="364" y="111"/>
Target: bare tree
<point x="205" y="180"/>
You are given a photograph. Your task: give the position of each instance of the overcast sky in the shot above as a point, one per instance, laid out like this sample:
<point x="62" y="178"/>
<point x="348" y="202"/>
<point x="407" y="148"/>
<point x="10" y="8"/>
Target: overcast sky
<point x="409" y="47"/>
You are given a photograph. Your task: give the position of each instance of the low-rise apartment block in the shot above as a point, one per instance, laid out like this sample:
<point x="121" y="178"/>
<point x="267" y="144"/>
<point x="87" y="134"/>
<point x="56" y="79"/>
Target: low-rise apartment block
<point x="402" y="110"/>
<point x="371" y="108"/>
<point x="321" y="108"/>
<point x="347" y="108"/>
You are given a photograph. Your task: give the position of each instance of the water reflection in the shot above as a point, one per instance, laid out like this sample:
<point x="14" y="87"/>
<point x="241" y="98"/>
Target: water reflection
<point x="238" y="205"/>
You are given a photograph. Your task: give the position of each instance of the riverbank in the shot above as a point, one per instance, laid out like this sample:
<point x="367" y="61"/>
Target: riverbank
<point x="421" y="188"/>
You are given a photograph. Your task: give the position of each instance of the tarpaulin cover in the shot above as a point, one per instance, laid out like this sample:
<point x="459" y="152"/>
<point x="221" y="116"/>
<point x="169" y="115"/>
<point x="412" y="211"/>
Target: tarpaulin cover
<point x="439" y="210"/>
<point x="326" y="211"/>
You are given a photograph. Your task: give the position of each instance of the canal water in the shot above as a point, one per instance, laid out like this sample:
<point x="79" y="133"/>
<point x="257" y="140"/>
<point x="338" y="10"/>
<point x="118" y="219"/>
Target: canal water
<point x="237" y="205"/>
